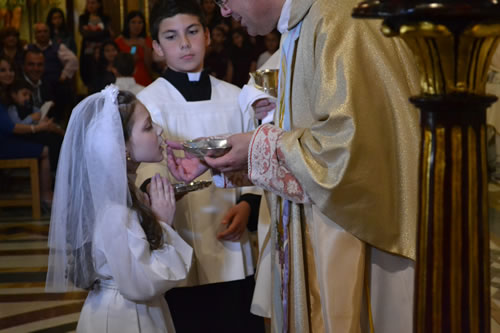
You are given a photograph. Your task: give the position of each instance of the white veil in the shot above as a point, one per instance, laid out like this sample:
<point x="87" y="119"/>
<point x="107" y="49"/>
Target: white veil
<point x="91" y="174"/>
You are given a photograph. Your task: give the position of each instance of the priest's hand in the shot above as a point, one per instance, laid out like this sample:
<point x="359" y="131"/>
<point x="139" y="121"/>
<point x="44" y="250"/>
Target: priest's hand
<point x="262" y="107"/>
<point x="235" y="220"/>
<point x="237" y="158"/>
<point x="186" y="168"/>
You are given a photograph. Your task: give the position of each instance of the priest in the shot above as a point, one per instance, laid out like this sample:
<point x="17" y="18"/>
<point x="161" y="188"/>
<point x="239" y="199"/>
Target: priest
<point x="339" y="165"/>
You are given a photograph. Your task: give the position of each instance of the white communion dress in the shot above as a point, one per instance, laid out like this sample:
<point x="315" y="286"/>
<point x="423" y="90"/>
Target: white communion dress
<point x="128" y="296"/>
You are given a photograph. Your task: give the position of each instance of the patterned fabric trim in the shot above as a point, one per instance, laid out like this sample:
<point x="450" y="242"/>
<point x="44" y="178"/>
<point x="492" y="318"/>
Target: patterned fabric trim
<point x="267" y="168"/>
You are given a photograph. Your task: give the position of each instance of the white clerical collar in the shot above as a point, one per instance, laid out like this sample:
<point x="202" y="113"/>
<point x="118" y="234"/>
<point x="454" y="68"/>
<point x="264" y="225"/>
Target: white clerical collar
<point x="194" y="76"/>
<point x="285" y="16"/>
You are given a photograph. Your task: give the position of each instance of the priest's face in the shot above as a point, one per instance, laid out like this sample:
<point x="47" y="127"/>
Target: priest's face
<point x="259" y="17"/>
<point x="145" y="142"/>
<point x="182" y="42"/>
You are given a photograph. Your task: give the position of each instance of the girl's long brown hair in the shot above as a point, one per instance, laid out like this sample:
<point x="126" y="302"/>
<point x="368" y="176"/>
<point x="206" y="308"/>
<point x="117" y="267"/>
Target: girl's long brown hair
<point x="126" y="106"/>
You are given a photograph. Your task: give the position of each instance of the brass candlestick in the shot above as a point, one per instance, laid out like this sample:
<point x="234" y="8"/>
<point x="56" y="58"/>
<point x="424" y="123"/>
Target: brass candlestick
<point x="453" y="42"/>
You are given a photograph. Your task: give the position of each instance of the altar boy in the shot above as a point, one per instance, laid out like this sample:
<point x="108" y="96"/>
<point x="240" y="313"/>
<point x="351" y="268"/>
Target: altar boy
<point x="188" y="103"/>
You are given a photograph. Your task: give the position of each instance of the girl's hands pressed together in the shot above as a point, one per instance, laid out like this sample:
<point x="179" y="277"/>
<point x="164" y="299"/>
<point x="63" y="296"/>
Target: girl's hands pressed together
<point x="162" y="198"/>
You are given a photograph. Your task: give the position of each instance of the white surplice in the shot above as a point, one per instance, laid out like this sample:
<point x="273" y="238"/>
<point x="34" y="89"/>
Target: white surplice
<point x="132" y="278"/>
<point x="199" y="214"/>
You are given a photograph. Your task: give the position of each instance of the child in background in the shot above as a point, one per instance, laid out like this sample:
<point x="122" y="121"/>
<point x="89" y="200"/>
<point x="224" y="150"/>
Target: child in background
<point x="43" y="131"/>
<point x="188" y="103"/>
<point x="21" y="110"/>
<point x="124" y="65"/>
<point x="105" y="235"/>
<point x="272" y="42"/>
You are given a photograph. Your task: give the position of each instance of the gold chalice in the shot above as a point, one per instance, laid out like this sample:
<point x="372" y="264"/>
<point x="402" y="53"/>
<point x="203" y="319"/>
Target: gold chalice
<point x="266" y="80"/>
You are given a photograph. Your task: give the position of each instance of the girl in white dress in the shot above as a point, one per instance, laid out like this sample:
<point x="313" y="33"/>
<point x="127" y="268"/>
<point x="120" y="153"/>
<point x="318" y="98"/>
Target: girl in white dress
<point x="105" y="236"/>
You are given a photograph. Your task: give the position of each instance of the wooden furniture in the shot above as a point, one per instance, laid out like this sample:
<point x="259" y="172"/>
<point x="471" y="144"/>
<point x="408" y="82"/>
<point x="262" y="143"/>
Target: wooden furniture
<point x="17" y="200"/>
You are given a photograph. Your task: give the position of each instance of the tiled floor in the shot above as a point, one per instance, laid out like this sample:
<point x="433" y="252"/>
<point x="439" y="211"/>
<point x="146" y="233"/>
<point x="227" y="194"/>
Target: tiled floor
<point x="25" y="307"/>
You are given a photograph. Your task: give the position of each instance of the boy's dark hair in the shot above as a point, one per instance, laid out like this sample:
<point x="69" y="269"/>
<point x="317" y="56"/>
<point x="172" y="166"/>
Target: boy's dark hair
<point x="18" y="85"/>
<point x="124" y="64"/>
<point x="164" y="9"/>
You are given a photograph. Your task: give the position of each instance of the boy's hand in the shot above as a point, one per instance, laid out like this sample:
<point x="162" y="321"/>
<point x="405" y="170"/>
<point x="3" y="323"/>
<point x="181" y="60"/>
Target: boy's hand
<point x="262" y="107"/>
<point x="236" y="220"/>
<point x="44" y="125"/>
<point x="36" y="116"/>
<point x="162" y="198"/>
<point x="184" y="169"/>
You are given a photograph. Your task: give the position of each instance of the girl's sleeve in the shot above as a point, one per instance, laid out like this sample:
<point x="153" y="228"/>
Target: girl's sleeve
<point x="140" y="273"/>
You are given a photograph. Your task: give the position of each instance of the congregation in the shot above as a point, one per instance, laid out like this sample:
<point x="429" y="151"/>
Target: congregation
<point x="186" y="196"/>
<point x="46" y="72"/>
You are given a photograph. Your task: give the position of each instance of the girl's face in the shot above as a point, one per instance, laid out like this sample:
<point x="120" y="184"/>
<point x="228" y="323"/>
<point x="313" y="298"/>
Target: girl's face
<point x="110" y="52"/>
<point x="135" y="26"/>
<point x="6" y="73"/>
<point x="93" y="6"/>
<point x="237" y="39"/>
<point x="56" y="20"/>
<point x="145" y="142"/>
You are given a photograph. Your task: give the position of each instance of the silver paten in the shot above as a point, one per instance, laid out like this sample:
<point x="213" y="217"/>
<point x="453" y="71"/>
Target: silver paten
<point x="212" y="147"/>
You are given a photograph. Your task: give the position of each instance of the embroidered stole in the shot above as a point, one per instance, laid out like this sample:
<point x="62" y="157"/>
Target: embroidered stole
<point x="287" y="238"/>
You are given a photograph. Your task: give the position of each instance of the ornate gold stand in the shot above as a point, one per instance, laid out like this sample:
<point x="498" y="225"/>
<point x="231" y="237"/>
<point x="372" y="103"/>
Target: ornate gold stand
<point x="453" y="42"/>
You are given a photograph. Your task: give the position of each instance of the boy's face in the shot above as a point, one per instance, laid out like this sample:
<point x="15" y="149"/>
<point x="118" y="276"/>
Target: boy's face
<point x="182" y="42"/>
<point x="21" y="96"/>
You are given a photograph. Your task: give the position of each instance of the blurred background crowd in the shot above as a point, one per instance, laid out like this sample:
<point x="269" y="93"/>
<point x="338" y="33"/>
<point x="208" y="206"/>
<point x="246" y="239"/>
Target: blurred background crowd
<point x="53" y="55"/>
